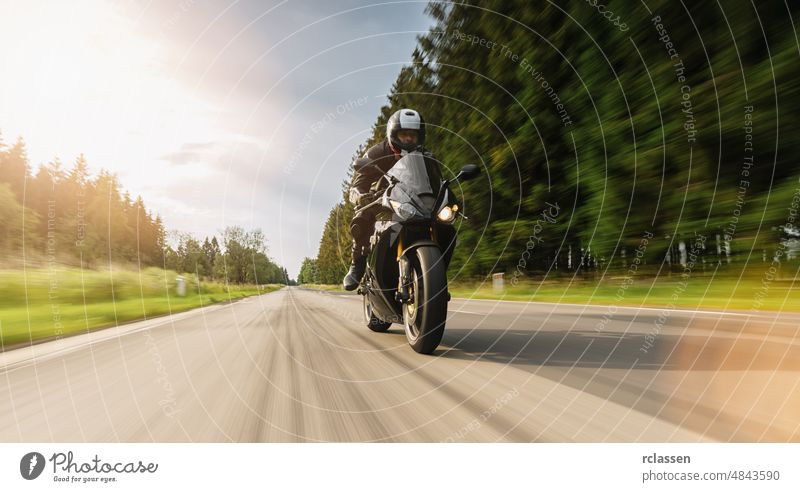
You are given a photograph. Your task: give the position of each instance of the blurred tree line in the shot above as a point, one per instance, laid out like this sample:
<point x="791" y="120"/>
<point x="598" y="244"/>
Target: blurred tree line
<point x="669" y="120"/>
<point x="241" y="257"/>
<point x="308" y="271"/>
<point x="64" y="215"/>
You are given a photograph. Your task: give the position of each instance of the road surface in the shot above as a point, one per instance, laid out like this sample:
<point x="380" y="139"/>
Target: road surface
<point x="299" y="365"/>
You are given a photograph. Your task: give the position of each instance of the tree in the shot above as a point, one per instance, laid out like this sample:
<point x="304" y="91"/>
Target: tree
<point x="12" y="218"/>
<point x="562" y="111"/>
<point x="244" y="258"/>
<point x="308" y="272"/>
<point x="14" y="169"/>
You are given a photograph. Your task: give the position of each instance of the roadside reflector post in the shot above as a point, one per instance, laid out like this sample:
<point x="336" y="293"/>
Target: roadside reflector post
<point x="180" y="285"/>
<point x="498" y="284"/>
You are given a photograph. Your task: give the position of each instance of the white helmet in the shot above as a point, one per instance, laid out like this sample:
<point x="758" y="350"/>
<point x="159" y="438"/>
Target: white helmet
<point x="405" y="119"/>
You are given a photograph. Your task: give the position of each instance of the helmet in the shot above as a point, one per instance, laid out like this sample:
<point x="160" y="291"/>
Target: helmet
<point x="405" y="119"/>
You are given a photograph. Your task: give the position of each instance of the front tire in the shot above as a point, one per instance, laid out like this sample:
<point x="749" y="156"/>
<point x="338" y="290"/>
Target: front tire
<point x="425" y="315"/>
<point x="373" y="322"/>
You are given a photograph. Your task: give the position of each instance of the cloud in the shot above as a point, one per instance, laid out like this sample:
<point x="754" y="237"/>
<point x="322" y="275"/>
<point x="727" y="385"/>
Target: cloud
<point x="189" y="153"/>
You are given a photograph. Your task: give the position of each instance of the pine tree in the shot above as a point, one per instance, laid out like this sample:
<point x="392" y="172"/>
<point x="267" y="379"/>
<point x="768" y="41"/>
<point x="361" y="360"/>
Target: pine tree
<point x="15" y="170"/>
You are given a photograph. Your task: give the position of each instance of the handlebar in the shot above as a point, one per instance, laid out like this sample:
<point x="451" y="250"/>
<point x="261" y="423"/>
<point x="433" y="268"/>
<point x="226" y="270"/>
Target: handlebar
<point x="371" y="204"/>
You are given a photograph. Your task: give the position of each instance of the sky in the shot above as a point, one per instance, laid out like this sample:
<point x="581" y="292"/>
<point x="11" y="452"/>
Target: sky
<point x="217" y="113"/>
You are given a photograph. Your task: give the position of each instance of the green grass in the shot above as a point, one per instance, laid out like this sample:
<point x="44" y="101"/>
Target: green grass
<point x="332" y="287"/>
<point x="700" y="292"/>
<point x="46" y="303"/>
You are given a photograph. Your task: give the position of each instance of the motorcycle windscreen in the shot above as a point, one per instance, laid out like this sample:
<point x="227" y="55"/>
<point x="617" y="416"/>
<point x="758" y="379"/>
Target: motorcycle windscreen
<point x="414" y="184"/>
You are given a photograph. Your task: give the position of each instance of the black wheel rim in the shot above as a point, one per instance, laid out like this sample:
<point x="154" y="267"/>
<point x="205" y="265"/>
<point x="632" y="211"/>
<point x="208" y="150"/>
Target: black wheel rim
<point x="411" y="309"/>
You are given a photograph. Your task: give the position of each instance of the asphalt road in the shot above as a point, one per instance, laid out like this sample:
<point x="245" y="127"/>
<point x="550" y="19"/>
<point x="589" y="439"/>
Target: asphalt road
<point x="298" y="365"/>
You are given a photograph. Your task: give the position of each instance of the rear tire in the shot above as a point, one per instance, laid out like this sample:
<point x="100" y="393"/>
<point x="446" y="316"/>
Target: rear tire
<point x="424" y="317"/>
<point x="373" y="322"/>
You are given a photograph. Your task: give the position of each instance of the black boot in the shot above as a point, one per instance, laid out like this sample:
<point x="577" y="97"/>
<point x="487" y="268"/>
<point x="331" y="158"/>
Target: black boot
<point x="353" y="277"/>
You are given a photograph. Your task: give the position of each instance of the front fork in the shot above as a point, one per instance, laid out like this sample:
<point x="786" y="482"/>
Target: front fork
<point x="403" y="295"/>
<point x="404" y="275"/>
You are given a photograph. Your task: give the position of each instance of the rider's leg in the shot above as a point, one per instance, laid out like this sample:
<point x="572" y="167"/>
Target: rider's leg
<point x="361" y="228"/>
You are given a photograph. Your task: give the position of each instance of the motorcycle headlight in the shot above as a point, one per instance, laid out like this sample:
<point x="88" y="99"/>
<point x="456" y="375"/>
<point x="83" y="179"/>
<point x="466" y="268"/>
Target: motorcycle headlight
<point x="447" y="214"/>
<point x="404" y="210"/>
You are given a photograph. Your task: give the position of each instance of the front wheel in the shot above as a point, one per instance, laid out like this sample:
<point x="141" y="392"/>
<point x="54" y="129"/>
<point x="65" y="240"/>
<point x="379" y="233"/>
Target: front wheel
<point x="425" y="314"/>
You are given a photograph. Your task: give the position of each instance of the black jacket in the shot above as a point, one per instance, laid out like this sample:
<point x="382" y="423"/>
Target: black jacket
<point x="383" y="158"/>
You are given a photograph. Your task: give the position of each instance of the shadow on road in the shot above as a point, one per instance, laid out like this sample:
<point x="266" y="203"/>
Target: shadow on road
<point x="617" y="350"/>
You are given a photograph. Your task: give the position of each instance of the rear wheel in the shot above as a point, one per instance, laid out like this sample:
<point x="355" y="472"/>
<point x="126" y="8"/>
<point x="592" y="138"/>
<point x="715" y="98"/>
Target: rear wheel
<point x="373" y="322"/>
<point x="425" y="314"/>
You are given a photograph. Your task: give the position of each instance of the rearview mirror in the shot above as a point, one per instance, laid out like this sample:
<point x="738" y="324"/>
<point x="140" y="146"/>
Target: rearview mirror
<point x="468" y="172"/>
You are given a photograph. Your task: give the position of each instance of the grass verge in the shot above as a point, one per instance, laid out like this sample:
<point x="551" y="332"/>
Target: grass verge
<point x="699" y="292"/>
<point x="331" y="287"/>
<point x="42" y="304"/>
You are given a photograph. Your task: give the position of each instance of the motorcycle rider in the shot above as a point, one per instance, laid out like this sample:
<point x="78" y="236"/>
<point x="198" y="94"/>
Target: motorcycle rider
<point x="405" y="132"/>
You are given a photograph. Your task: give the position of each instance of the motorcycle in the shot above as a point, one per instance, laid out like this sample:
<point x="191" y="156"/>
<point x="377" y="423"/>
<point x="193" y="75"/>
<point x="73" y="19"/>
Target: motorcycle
<point x="405" y="280"/>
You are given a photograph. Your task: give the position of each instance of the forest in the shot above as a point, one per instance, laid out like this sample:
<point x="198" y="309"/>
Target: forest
<point x="664" y="133"/>
<point x="62" y="215"/>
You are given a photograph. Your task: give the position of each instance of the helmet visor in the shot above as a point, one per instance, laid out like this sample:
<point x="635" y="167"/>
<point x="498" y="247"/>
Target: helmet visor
<point x="408" y="136"/>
